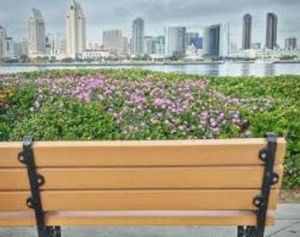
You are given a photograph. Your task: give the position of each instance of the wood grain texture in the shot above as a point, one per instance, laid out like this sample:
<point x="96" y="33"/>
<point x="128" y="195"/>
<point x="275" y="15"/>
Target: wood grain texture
<point x="134" y="218"/>
<point x="227" y="199"/>
<point x="142" y="153"/>
<point x="139" y="178"/>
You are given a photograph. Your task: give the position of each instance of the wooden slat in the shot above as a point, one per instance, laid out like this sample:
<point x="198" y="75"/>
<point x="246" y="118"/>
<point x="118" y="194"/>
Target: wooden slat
<point x="135" y="218"/>
<point x="142" y="153"/>
<point x="139" y="200"/>
<point x="137" y="178"/>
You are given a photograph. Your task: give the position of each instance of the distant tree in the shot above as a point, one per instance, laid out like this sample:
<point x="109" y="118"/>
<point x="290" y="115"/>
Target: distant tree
<point x="176" y="56"/>
<point x="147" y="57"/>
<point x="288" y="57"/>
<point x="52" y="59"/>
<point x="24" y="59"/>
<point x="67" y="60"/>
<point x="40" y="60"/>
<point x="10" y="60"/>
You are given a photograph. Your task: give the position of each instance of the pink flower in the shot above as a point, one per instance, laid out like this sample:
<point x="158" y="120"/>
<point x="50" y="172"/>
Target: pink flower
<point x="100" y="97"/>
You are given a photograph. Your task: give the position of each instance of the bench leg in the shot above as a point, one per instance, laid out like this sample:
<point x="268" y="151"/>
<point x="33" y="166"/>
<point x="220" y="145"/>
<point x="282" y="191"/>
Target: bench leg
<point x="57" y="231"/>
<point x="251" y="231"/>
<point x="247" y="231"/>
<point x="241" y="231"/>
<point x="52" y="231"/>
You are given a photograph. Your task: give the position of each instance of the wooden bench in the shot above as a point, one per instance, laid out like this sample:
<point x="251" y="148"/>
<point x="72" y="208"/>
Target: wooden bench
<point x="141" y="183"/>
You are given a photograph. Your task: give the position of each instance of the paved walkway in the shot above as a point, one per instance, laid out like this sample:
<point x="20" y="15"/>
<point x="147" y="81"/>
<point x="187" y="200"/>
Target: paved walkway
<point x="287" y="225"/>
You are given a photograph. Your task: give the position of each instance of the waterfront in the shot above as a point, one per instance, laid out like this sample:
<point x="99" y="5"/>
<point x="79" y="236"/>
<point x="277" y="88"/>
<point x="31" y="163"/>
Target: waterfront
<point x="212" y="69"/>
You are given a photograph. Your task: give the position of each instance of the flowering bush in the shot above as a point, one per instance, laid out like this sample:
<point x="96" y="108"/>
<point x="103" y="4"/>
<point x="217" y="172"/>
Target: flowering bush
<point x="7" y="92"/>
<point x="136" y="105"/>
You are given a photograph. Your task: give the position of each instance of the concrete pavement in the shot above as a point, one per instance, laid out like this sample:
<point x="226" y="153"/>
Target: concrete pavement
<point x="287" y="225"/>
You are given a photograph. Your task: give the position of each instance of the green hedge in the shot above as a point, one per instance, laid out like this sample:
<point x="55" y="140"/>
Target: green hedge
<point x="269" y="104"/>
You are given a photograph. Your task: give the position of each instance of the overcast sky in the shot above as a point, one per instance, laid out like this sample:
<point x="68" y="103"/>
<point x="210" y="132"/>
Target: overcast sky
<point x="118" y="14"/>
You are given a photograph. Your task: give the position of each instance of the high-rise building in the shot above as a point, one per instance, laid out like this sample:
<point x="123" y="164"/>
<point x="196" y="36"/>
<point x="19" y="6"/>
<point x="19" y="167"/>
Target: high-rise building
<point x="18" y="49"/>
<point x="247" y="31"/>
<point x="138" y="31"/>
<point x="233" y="47"/>
<point x="271" y="31"/>
<point x="291" y="43"/>
<point x="24" y="47"/>
<point x="190" y="37"/>
<point x="225" y="40"/>
<point x="158" y="46"/>
<point x="256" y="45"/>
<point x="175" y="41"/>
<point x="193" y="38"/>
<point x="62" y="46"/>
<point x="75" y="30"/>
<point x="9" y="48"/>
<point x="2" y="42"/>
<point x="148" y="45"/>
<point x="125" y="46"/>
<point x="112" y="41"/>
<point x="36" y="34"/>
<point x="21" y="48"/>
<point x="211" y="41"/>
<point x="52" y="44"/>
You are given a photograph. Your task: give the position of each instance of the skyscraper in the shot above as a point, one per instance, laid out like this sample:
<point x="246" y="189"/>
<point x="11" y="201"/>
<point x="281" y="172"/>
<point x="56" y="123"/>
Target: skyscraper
<point x="75" y="30"/>
<point x="175" y="41"/>
<point x="247" y="31"/>
<point x="211" y="41"/>
<point x="190" y="37"/>
<point x="52" y="44"/>
<point x="125" y="46"/>
<point x="148" y="45"/>
<point x="36" y="34"/>
<point x="112" y="41"/>
<point x="24" y="43"/>
<point x="225" y="40"/>
<point x="2" y="42"/>
<point x="159" y="45"/>
<point x="9" y="48"/>
<point x="271" y="33"/>
<point x="138" y="31"/>
<point x="291" y="43"/>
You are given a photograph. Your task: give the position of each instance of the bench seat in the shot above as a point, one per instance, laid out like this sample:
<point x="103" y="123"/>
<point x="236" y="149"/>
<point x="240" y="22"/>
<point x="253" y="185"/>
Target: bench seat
<point x="134" y="218"/>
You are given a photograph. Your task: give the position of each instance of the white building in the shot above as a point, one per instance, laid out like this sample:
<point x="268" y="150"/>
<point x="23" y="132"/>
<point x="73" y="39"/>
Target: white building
<point x="2" y="42"/>
<point x="225" y="40"/>
<point x="75" y="30"/>
<point x="175" y="41"/>
<point x="36" y="34"/>
<point x="266" y="54"/>
<point x="191" y="51"/>
<point x="94" y="55"/>
<point x="112" y="41"/>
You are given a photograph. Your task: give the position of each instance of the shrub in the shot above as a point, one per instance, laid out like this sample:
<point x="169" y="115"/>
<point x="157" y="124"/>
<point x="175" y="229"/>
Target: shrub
<point x="137" y="105"/>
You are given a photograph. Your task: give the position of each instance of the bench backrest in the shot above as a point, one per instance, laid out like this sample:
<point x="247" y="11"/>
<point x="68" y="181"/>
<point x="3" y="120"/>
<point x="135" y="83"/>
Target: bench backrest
<point x="145" y="175"/>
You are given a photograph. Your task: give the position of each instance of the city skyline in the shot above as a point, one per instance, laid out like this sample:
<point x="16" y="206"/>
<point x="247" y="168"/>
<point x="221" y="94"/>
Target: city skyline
<point x="289" y="20"/>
